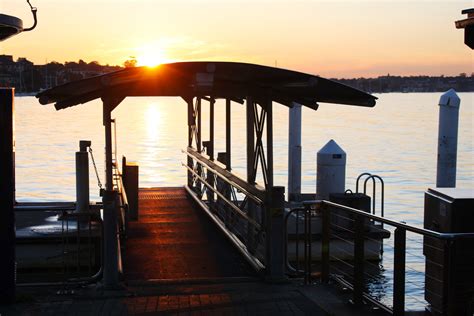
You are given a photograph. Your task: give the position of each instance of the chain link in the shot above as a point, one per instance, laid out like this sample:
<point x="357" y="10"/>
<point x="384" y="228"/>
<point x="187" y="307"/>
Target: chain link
<point x="95" y="168"/>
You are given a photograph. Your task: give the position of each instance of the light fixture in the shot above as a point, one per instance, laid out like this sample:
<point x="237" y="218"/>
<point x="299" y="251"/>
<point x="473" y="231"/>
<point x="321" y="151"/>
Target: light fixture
<point x="10" y="25"/>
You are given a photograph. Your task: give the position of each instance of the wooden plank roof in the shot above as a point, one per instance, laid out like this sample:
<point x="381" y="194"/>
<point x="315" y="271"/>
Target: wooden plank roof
<point x="217" y="79"/>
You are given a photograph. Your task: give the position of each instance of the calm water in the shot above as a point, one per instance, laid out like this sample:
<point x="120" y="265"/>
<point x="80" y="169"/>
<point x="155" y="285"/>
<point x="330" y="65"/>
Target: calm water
<point x="396" y="140"/>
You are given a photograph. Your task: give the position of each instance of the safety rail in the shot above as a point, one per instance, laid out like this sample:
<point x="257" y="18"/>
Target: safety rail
<point x="380" y="282"/>
<point x="123" y="200"/>
<point x="234" y="205"/>
<point x="77" y="243"/>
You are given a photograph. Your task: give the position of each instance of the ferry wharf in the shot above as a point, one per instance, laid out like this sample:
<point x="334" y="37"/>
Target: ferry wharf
<point x="222" y="243"/>
<point x="171" y="267"/>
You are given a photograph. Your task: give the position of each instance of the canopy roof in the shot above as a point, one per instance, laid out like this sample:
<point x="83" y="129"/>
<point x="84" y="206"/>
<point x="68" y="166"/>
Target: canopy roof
<point x="216" y="79"/>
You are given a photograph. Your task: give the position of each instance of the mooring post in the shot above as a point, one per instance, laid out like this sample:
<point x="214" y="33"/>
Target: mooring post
<point x="449" y="104"/>
<point x="110" y="239"/>
<point x="274" y="221"/>
<point x="294" y="153"/>
<point x="82" y="177"/>
<point x="7" y="196"/>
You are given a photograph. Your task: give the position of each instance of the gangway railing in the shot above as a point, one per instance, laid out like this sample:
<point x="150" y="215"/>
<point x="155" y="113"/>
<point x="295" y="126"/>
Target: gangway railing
<point x="381" y="282"/>
<point x="227" y="199"/>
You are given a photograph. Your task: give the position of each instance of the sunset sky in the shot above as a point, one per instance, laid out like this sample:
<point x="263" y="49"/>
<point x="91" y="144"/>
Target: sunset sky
<point x="330" y="38"/>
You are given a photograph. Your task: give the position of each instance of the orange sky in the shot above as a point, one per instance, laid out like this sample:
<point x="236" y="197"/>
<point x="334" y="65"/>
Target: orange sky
<point x="331" y="38"/>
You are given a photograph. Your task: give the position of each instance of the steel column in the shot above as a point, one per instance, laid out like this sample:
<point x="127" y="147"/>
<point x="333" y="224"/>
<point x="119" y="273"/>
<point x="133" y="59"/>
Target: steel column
<point x="228" y="131"/>
<point x="269" y="108"/>
<point x="110" y="239"/>
<point x="191" y="125"/>
<point x="250" y="170"/>
<point x="7" y="196"/>
<point x="399" y="272"/>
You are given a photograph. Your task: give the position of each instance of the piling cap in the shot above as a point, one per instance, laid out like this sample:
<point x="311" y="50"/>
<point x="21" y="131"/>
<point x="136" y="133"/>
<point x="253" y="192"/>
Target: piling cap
<point x="450" y="98"/>
<point x="331" y="154"/>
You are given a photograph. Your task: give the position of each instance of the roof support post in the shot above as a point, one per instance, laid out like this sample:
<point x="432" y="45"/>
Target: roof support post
<point x="191" y="127"/>
<point x="269" y="108"/>
<point x="251" y="238"/>
<point x="228" y="131"/>
<point x="110" y="200"/>
<point x="210" y="152"/>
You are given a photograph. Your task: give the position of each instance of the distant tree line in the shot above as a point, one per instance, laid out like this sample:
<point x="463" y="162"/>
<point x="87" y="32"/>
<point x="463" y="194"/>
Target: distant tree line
<point x="388" y="83"/>
<point x="27" y="77"/>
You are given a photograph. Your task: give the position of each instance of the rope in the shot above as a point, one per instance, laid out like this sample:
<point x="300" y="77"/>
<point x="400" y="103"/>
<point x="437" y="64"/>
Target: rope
<point x="95" y="168"/>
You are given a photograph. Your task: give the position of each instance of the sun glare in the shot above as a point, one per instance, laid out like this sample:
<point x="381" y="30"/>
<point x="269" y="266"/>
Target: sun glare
<point x="151" y="55"/>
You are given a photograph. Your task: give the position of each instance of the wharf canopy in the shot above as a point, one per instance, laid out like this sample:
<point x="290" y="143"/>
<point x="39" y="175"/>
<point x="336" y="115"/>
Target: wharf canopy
<point x="229" y="80"/>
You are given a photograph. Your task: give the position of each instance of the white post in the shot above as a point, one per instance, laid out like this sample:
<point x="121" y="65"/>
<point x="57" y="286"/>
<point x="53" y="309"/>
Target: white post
<point x="330" y="170"/>
<point x="294" y="153"/>
<point x="447" y="139"/>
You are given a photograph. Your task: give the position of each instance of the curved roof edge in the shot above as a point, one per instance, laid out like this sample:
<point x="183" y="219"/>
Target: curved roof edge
<point x="208" y="78"/>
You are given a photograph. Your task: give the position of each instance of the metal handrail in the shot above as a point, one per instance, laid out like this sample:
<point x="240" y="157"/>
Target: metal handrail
<point x="407" y="227"/>
<point x="220" y="195"/>
<point x="225" y="179"/>
<point x="358" y="274"/>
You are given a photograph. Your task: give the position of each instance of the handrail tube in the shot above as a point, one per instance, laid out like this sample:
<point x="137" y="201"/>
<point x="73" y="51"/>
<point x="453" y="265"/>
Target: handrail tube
<point x="285" y="233"/>
<point x="253" y="261"/>
<point x="413" y="229"/>
<point x="232" y="205"/>
<point x="253" y="191"/>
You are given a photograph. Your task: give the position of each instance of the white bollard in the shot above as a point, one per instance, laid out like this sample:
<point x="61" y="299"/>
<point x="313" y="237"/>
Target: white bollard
<point x="330" y="170"/>
<point x="294" y="153"/>
<point x="449" y="104"/>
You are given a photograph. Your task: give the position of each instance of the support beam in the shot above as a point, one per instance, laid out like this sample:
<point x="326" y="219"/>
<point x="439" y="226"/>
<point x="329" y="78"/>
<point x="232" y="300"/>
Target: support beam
<point x="191" y="126"/>
<point x="228" y="131"/>
<point x="7" y="196"/>
<point x="251" y="246"/>
<point x="269" y="108"/>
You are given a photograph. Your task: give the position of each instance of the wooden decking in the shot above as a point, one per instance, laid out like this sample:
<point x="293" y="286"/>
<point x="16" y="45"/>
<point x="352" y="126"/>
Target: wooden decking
<point x="173" y="239"/>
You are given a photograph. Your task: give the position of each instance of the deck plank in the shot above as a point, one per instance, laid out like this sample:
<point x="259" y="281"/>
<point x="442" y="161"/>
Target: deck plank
<point x="173" y="239"/>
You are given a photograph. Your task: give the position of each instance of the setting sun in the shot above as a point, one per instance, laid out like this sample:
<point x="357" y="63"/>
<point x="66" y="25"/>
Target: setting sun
<point x="151" y="55"/>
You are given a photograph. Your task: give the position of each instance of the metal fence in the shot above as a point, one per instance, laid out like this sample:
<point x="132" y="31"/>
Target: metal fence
<point x="347" y="248"/>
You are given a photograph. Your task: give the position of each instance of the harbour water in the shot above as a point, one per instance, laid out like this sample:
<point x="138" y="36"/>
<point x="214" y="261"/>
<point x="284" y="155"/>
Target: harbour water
<point x="396" y="140"/>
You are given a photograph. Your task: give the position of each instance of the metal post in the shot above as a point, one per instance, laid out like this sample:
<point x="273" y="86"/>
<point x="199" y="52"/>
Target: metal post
<point x="294" y="153"/>
<point x="210" y="152"/>
<point x="82" y="177"/>
<point x="269" y="109"/>
<point x="399" y="272"/>
<point x="7" y="196"/>
<point x="358" y="260"/>
<point x="108" y="146"/>
<point x="274" y="221"/>
<point x="110" y="239"/>
<point x="447" y="139"/>
<point x="250" y="171"/>
<point x="325" y="242"/>
<point x="191" y="123"/>
<point x="228" y="130"/>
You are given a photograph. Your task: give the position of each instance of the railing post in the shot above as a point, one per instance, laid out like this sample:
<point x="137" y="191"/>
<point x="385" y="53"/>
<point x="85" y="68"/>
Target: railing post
<point x="7" y="196"/>
<point x="326" y="236"/>
<point x="358" y="260"/>
<point x="275" y="242"/>
<point x="110" y="239"/>
<point x="399" y="272"/>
